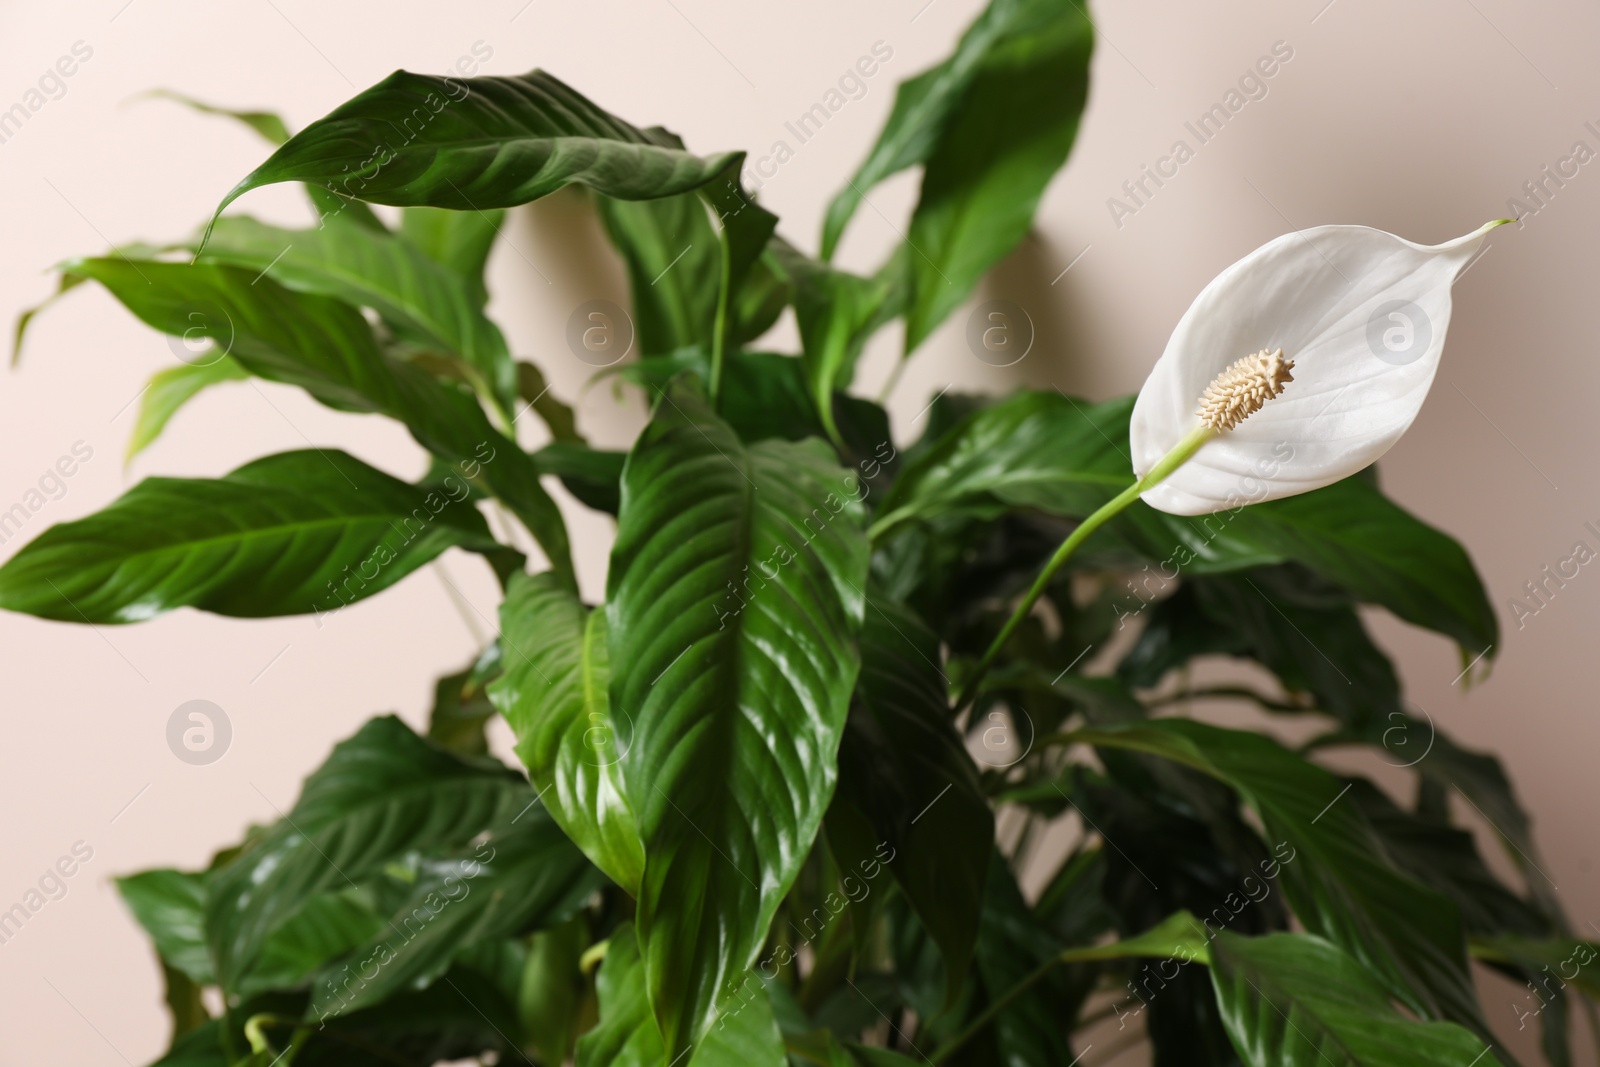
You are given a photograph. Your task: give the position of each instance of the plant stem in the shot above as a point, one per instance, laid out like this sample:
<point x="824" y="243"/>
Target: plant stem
<point x="1181" y="453"/>
<point x="719" y="329"/>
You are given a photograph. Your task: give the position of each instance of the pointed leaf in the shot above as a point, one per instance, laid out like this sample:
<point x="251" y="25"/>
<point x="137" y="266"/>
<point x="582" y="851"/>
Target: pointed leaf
<point x="172" y="388"/>
<point x="382" y="793"/>
<point x="554" y="695"/>
<point x="423" y="301"/>
<point x="1336" y="876"/>
<point x="1294" y="1000"/>
<point x="1067" y="457"/>
<point x="170" y="906"/>
<point x="746" y="1036"/>
<point x="525" y="875"/>
<point x="288" y="534"/>
<point x="327" y="348"/>
<point x="903" y="764"/>
<point x="477" y="144"/>
<point x="735" y="593"/>
<point x="999" y="146"/>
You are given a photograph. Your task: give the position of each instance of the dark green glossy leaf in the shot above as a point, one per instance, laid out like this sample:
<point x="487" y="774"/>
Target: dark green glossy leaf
<point x="382" y="793"/>
<point x="425" y="302"/>
<point x="327" y="348"/>
<point x="526" y="874"/>
<point x="1030" y="449"/>
<point x="287" y="534"/>
<point x="1335" y="873"/>
<point x="457" y="240"/>
<point x="1294" y="1000"/>
<point x="477" y="144"/>
<point x="735" y="592"/>
<point x="903" y="764"/>
<point x="745" y="1035"/>
<point x="1002" y="141"/>
<point x="172" y="388"/>
<point x="555" y="696"/>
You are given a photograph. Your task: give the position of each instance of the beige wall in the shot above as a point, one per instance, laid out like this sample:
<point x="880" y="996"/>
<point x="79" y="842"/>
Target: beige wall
<point x="1420" y="118"/>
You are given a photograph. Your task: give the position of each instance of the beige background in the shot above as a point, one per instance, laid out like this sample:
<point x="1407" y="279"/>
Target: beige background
<point x="1422" y="118"/>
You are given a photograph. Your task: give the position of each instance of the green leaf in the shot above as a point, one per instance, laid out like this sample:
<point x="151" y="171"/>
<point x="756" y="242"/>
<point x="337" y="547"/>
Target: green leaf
<point x="477" y="144"/>
<point x="735" y="593"/>
<point x="999" y="146"/>
<point x="533" y="390"/>
<point x="674" y="262"/>
<point x="1289" y="621"/>
<point x="170" y="906"/>
<point x="552" y="990"/>
<point x="903" y="764"/>
<point x="182" y="997"/>
<point x="461" y="706"/>
<point x="459" y="241"/>
<point x="1446" y="858"/>
<point x="326" y="926"/>
<point x="269" y="125"/>
<point x="65" y="283"/>
<point x="836" y="313"/>
<point x="1549" y="958"/>
<point x="745" y="1035"/>
<point x="426" y="303"/>
<point x="327" y="348"/>
<point x="382" y="793"/>
<point x="554" y="694"/>
<point x="1064" y="456"/>
<point x="747" y="228"/>
<point x="525" y="875"/>
<point x="922" y="107"/>
<point x="1294" y="1000"/>
<point x="172" y="388"/>
<point x="1032" y="449"/>
<point x="592" y="475"/>
<point x="1335" y="875"/>
<point x="284" y="535"/>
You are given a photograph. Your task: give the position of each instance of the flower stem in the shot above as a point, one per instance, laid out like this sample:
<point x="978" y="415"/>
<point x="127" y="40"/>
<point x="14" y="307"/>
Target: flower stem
<point x="1181" y="453"/>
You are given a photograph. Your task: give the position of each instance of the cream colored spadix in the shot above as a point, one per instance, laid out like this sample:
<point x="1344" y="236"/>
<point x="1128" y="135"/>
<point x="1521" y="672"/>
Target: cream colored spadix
<point x="1358" y="313"/>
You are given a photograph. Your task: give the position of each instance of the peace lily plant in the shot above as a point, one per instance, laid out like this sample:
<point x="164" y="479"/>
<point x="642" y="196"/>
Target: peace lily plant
<point x="777" y="789"/>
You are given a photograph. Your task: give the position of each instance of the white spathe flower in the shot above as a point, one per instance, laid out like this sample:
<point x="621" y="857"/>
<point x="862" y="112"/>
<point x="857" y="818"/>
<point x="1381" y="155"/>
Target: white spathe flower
<point x="1360" y="314"/>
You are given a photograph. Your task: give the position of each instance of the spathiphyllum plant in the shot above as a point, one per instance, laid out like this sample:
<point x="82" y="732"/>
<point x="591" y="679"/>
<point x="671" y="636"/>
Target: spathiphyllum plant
<point x="878" y="750"/>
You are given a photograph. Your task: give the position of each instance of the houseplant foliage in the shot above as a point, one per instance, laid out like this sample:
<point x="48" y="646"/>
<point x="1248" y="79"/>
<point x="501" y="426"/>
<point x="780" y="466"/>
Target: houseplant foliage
<point x="749" y="825"/>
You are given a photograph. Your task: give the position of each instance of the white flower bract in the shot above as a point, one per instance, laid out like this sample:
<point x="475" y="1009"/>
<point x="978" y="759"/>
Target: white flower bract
<point x="1360" y="312"/>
